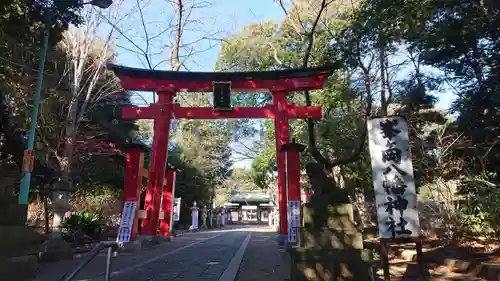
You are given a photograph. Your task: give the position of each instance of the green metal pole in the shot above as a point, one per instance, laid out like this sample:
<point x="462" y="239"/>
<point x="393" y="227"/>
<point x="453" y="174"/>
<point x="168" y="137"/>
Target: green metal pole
<point x="26" y="180"/>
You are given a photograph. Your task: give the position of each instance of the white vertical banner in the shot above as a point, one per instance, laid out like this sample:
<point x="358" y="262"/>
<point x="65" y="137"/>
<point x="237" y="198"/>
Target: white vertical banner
<point x="393" y="179"/>
<point x="223" y="216"/>
<point x="173" y="125"/>
<point x="293" y="216"/>
<point x="171" y="223"/>
<point x="177" y="209"/>
<point x="194" y="217"/>
<point x="126" y="222"/>
<point x="293" y="213"/>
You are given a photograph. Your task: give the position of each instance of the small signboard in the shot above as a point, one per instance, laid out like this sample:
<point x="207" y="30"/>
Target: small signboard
<point x="126" y="222"/>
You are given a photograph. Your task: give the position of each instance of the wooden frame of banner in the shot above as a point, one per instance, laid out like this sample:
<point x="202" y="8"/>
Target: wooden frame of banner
<point x="384" y="257"/>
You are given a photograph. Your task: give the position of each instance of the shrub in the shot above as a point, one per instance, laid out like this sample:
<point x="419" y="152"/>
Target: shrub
<point x="478" y="210"/>
<point x="85" y="222"/>
<point x="107" y="204"/>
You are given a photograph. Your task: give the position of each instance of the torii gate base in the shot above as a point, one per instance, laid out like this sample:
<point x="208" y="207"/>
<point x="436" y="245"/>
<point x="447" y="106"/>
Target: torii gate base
<point x="167" y="83"/>
<point x="134" y="172"/>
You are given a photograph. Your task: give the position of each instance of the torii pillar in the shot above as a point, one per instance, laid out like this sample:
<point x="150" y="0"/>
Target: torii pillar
<point x="158" y="162"/>
<point x="293" y="151"/>
<point x="282" y="137"/>
<point x="133" y="182"/>
<point x="167" y="203"/>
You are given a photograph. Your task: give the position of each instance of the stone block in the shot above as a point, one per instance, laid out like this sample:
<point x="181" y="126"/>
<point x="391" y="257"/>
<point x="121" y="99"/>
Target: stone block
<point x="331" y="239"/>
<point x="18" y="240"/>
<point x="55" y="249"/>
<point x="150" y="241"/>
<point x="315" y="264"/>
<point x="337" y="216"/>
<point x="132" y="246"/>
<point x="19" y="268"/>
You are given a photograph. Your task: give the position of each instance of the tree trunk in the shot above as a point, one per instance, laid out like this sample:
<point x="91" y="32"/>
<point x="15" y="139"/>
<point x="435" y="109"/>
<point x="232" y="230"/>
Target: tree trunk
<point x="69" y="139"/>
<point x="69" y="142"/>
<point x="60" y="201"/>
<point x="384" y="97"/>
<point x="46" y="211"/>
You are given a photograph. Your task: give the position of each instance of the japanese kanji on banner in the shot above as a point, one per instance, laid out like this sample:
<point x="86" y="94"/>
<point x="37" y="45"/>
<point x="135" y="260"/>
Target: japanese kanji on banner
<point x="293" y="213"/>
<point x="292" y="234"/>
<point x="126" y="222"/>
<point x="293" y="219"/>
<point x="393" y="178"/>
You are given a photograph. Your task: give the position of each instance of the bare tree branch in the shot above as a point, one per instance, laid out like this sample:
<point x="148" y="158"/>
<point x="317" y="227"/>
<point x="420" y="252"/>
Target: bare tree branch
<point x="179" y="21"/>
<point x="308" y="35"/>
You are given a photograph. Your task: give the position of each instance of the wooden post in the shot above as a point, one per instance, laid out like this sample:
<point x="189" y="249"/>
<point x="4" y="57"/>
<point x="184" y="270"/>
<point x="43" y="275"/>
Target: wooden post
<point x="384" y="254"/>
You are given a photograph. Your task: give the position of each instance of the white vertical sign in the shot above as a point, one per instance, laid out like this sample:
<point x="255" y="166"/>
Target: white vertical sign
<point x="393" y="178"/>
<point x="195" y="217"/>
<point x="126" y="222"/>
<point x="293" y="211"/>
<point x="177" y="209"/>
<point x="173" y="125"/>
<point x="171" y="223"/>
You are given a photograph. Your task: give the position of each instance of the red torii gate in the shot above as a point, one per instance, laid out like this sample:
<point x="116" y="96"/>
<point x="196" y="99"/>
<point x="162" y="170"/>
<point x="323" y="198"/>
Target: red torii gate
<point x="167" y="83"/>
<point x="134" y="173"/>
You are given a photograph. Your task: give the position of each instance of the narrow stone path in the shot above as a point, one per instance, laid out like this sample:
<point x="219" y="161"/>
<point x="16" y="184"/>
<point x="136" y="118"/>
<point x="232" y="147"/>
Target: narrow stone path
<point x="202" y="256"/>
<point x="263" y="260"/>
<point x="204" y="262"/>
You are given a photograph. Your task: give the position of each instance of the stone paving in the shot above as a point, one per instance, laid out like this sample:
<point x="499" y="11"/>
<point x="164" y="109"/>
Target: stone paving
<point x="263" y="259"/>
<point x="199" y="256"/>
<point x="205" y="262"/>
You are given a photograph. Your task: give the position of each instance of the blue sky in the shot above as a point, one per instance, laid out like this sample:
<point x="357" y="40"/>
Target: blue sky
<point x="225" y="16"/>
<point x="230" y="17"/>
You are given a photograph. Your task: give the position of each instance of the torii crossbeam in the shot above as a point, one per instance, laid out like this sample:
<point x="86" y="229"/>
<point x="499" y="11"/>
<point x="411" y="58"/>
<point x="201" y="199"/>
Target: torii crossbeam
<point x="167" y="83"/>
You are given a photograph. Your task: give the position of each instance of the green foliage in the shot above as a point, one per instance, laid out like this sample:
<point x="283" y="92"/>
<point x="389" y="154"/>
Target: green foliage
<point x="262" y="166"/>
<point x="478" y="211"/>
<point x="241" y="179"/>
<point x="21" y="25"/>
<point x="84" y="222"/>
<point x="427" y="47"/>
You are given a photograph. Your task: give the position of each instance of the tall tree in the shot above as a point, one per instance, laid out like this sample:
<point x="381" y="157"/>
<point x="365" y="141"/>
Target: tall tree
<point x="86" y="55"/>
<point x="21" y="26"/>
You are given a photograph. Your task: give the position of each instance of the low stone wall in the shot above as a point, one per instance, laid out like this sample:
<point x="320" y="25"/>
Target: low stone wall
<point x="18" y="255"/>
